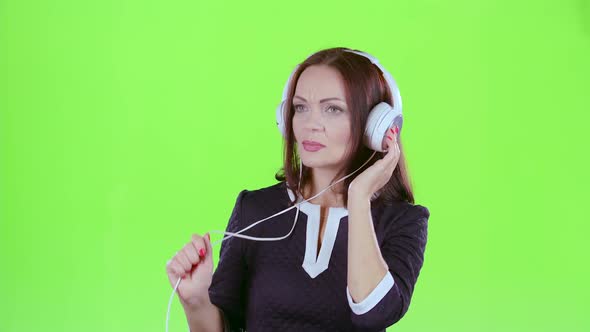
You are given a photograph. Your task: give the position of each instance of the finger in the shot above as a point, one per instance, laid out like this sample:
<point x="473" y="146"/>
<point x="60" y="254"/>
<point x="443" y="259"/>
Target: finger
<point x="393" y="153"/>
<point x="395" y="136"/>
<point x="199" y="244"/>
<point x="209" y="247"/>
<point x="184" y="262"/>
<point x="207" y="244"/>
<point x="179" y="270"/>
<point x="174" y="268"/>
<point x="391" y="146"/>
<point x="191" y="253"/>
<point x="397" y="150"/>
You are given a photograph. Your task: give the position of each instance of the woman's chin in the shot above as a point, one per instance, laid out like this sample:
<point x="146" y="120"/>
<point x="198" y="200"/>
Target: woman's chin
<point x="315" y="163"/>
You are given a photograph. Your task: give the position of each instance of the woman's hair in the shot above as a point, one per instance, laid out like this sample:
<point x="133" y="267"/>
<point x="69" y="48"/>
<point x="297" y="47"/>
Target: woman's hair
<point x="365" y="87"/>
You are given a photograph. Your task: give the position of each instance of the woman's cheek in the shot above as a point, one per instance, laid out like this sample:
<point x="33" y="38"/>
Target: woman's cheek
<point x="342" y="134"/>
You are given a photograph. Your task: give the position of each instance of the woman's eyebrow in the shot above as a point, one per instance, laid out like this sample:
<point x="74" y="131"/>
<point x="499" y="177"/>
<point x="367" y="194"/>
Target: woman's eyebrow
<point x="321" y="101"/>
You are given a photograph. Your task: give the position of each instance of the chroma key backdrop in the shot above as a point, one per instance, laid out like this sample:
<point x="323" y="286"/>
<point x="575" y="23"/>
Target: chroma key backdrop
<point x="128" y="126"/>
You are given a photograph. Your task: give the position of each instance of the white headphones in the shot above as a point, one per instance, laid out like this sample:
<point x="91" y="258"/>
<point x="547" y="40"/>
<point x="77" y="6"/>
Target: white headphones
<point x="381" y="117"/>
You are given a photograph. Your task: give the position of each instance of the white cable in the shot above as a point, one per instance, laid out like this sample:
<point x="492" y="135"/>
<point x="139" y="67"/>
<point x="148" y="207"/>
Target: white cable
<point x="259" y="221"/>
<point x="170" y="302"/>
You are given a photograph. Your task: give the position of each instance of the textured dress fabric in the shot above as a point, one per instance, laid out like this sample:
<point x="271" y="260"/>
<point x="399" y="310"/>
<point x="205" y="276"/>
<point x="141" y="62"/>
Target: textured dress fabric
<point x="286" y="285"/>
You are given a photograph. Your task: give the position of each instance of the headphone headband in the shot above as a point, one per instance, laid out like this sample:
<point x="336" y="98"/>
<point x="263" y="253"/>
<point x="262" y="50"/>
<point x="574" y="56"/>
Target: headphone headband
<point x="395" y="94"/>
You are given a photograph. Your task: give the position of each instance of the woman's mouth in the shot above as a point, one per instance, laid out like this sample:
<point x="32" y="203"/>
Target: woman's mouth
<point x="312" y="146"/>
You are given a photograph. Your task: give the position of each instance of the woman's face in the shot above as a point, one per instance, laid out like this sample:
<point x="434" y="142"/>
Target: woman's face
<point x="321" y="115"/>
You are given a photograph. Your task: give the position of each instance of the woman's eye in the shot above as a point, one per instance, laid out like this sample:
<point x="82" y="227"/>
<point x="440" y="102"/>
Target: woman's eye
<point x="331" y="109"/>
<point x="336" y="109"/>
<point x="296" y="107"/>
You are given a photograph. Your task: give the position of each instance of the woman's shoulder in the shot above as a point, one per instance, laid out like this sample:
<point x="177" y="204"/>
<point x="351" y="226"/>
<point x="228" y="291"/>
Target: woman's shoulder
<point x="273" y="191"/>
<point x="269" y="197"/>
<point x="401" y="213"/>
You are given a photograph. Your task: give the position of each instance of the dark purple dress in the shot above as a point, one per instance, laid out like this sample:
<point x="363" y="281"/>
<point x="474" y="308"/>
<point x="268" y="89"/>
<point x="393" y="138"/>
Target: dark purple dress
<point x="286" y="286"/>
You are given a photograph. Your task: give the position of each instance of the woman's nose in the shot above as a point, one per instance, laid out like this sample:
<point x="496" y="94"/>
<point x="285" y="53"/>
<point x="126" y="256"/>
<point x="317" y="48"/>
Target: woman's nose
<point x="314" y="120"/>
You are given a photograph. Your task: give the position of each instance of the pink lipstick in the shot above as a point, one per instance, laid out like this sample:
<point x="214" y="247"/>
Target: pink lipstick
<point x="312" y="146"/>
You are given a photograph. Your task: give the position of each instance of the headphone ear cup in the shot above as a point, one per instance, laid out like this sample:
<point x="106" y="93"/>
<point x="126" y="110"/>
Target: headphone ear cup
<point x="381" y="118"/>
<point x="280" y="117"/>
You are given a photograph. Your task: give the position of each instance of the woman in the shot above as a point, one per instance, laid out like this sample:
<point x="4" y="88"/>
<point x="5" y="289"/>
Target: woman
<point x="351" y="260"/>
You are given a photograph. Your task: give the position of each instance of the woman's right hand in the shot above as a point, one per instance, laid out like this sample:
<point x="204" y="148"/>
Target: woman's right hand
<point x="196" y="270"/>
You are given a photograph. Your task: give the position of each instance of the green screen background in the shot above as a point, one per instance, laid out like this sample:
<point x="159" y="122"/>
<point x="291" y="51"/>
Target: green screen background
<point x="127" y="126"/>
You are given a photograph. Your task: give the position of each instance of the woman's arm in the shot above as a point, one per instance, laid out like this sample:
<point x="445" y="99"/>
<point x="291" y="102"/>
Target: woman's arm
<point x="205" y="317"/>
<point x="366" y="266"/>
<point x="403" y="252"/>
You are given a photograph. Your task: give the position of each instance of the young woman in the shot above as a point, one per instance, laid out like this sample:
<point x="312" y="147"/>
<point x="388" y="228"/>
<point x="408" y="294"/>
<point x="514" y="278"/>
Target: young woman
<point x="351" y="259"/>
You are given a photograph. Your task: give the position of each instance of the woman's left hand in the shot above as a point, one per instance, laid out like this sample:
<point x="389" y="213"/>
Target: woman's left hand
<point x="378" y="174"/>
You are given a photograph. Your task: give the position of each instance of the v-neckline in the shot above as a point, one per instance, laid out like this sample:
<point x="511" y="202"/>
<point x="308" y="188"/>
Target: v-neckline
<point x="317" y="259"/>
<point x="323" y="220"/>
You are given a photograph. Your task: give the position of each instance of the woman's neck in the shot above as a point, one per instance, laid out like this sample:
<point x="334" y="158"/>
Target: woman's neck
<point x="328" y="198"/>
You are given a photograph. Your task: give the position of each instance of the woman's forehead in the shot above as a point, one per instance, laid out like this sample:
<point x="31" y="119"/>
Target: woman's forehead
<point x="319" y="82"/>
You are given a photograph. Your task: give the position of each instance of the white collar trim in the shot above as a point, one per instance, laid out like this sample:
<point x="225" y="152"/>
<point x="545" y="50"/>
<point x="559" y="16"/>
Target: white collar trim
<point x="311" y="265"/>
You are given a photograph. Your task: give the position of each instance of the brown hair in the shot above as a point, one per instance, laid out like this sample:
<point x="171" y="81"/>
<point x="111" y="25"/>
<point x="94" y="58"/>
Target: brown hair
<point x="365" y="87"/>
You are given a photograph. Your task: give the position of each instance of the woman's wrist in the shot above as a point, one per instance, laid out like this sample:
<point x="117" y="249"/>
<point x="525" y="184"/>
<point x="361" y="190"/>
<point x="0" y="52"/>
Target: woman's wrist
<point x="357" y="196"/>
<point x="203" y="315"/>
<point x="195" y="303"/>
